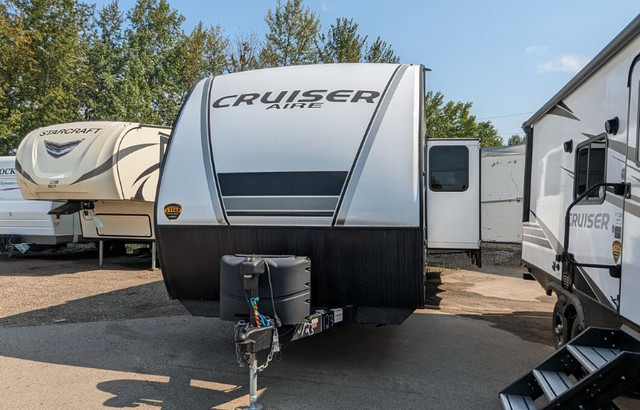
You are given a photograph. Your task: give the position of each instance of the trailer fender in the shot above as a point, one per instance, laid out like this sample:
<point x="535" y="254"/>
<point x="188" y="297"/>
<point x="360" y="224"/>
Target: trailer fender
<point x="567" y="301"/>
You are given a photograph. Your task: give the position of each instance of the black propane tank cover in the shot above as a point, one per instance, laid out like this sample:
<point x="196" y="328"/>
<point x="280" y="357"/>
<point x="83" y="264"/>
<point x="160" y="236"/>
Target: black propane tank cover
<point x="291" y="281"/>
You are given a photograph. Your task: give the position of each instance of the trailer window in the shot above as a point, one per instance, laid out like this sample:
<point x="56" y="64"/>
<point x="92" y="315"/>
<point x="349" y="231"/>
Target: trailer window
<point x="449" y="168"/>
<point x="590" y="167"/>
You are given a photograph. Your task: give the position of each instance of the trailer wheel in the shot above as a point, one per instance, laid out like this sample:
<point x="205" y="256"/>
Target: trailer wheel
<point x="560" y="327"/>
<point x="576" y="328"/>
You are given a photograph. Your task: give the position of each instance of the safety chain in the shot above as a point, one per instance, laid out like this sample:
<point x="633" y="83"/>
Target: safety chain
<point x="244" y="361"/>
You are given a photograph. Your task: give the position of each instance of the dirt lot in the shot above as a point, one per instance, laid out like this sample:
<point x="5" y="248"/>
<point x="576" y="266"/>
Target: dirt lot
<point x="68" y="287"/>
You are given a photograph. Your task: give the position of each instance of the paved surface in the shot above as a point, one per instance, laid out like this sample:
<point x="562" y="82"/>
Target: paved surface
<point x="432" y="361"/>
<point x="73" y="336"/>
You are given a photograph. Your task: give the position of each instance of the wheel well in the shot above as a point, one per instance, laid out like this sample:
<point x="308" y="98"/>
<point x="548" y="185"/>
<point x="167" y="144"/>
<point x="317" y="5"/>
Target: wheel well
<point x="572" y="308"/>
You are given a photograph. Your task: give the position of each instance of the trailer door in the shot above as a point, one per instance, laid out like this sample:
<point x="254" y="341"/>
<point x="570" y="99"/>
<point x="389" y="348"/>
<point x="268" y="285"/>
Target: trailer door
<point x="453" y="194"/>
<point x="630" y="272"/>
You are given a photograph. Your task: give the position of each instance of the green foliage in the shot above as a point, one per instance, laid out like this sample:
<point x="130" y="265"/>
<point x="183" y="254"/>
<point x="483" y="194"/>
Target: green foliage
<point x="380" y="52"/>
<point x="293" y="29"/>
<point x="43" y="72"/>
<point x="516" y="139"/>
<point x="205" y="54"/>
<point x="152" y="89"/>
<point x="342" y="43"/>
<point x="453" y="120"/>
<point x="62" y="61"/>
<point x="244" y="53"/>
<point x="107" y="62"/>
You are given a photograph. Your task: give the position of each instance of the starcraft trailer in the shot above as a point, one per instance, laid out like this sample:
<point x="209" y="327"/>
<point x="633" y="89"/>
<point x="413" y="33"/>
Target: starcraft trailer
<point x="324" y="162"/>
<point x="502" y="174"/>
<point x="582" y="229"/>
<point x="106" y="170"/>
<point x="23" y="221"/>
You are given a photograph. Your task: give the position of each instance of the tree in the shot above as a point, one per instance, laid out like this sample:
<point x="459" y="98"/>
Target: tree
<point x="488" y="135"/>
<point x="516" y="139"/>
<point x="107" y="63"/>
<point x="293" y="30"/>
<point x="244" y="53"/>
<point x="202" y="55"/>
<point x="380" y="52"/>
<point x="44" y="74"/>
<point x="453" y="120"/>
<point x="342" y="43"/>
<point x="151" y="86"/>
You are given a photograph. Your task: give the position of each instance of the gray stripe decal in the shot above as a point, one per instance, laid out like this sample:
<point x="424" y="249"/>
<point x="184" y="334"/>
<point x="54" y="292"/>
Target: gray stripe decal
<point x="369" y="138"/>
<point x="139" y="196"/>
<point x="147" y="171"/>
<point x="561" y="112"/>
<point x="280" y="204"/>
<point x="8" y="189"/>
<point x="569" y="172"/>
<point x="614" y="200"/>
<point x="207" y="156"/>
<point x="24" y="173"/>
<point x="281" y="213"/>
<point x="536" y="241"/>
<point x="602" y="298"/>
<point x="533" y="232"/>
<point x="108" y="164"/>
<point x="618" y="147"/>
<point x="555" y="243"/>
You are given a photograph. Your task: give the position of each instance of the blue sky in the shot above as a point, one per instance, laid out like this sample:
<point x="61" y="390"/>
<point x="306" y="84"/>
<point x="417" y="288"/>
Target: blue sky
<point x="507" y="57"/>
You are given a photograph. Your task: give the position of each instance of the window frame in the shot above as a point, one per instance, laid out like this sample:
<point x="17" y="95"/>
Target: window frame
<point x="430" y="169"/>
<point x="602" y="138"/>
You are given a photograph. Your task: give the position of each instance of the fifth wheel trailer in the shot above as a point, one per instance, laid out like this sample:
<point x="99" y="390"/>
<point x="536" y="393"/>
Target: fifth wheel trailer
<point x="582" y="229"/>
<point x="106" y="170"/>
<point x="23" y="221"/>
<point x="324" y="162"/>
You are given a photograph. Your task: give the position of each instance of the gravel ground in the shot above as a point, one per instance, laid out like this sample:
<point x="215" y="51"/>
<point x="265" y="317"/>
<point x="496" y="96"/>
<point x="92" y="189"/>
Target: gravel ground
<point x="67" y="286"/>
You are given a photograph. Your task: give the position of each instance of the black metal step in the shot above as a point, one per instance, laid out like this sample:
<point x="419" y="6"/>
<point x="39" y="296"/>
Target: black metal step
<point x="552" y="383"/>
<point x="605" y="361"/>
<point x="592" y="358"/>
<point x="515" y="402"/>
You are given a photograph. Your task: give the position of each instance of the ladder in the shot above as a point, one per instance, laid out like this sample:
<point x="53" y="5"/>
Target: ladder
<point x="586" y="373"/>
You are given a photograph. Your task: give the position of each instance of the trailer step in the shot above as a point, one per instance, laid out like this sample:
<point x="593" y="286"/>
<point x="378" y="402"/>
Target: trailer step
<point x="514" y="402"/>
<point x="552" y="383"/>
<point x="592" y="358"/>
<point x="598" y="360"/>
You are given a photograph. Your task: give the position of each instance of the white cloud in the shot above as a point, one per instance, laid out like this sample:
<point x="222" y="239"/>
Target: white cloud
<point x="536" y="50"/>
<point x="566" y="63"/>
<point x="327" y="7"/>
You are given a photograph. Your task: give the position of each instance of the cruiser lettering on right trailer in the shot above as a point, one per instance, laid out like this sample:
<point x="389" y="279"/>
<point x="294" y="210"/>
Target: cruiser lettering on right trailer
<point x="589" y="221"/>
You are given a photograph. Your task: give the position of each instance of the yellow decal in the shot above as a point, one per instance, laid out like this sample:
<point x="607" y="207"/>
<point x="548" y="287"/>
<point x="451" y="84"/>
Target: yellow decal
<point x="172" y="211"/>
<point x="616" y="250"/>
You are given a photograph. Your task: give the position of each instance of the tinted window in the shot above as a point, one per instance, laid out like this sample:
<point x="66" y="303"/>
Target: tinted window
<point x="448" y="168"/>
<point x="590" y="167"/>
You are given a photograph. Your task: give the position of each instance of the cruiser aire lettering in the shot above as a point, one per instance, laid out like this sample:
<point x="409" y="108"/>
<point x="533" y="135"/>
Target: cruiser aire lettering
<point x="297" y="98"/>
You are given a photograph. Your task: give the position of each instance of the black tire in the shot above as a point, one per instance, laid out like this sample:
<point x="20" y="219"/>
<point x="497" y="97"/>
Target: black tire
<point x="559" y="327"/>
<point x="576" y="328"/>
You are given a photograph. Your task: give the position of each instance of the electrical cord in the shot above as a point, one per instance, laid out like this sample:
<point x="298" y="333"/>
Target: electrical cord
<point x="276" y="319"/>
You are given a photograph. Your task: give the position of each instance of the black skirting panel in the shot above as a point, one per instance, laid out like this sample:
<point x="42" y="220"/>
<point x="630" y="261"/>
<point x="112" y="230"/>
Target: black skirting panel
<point x="363" y="267"/>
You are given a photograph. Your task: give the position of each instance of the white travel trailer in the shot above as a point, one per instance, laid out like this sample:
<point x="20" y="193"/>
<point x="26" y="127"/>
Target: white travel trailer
<point x="326" y="162"/>
<point x="502" y="175"/>
<point x="23" y="221"/>
<point x="106" y="170"/>
<point x="581" y="230"/>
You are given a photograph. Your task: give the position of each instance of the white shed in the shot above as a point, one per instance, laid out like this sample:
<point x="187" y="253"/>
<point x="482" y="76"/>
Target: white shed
<point x="501" y="193"/>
